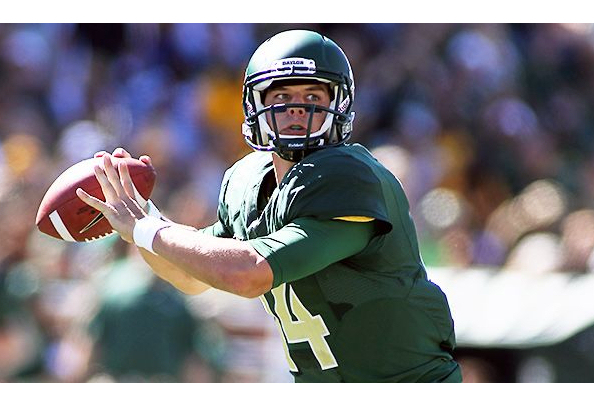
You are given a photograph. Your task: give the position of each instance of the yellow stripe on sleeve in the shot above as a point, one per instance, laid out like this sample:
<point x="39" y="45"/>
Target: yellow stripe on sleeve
<point x="355" y="219"/>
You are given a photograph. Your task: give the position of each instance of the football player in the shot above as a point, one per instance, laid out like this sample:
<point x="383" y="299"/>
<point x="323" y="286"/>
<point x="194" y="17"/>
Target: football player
<point x="316" y="228"/>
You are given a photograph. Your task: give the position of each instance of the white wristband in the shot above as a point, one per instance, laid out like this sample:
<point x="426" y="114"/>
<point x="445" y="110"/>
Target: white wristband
<point x="145" y="231"/>
<point x="152" y="210"/>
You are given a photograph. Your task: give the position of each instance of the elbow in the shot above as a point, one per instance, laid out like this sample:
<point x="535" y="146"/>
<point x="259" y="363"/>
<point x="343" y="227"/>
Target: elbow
<point x="250" y="283"/>
<point x="252" y="292"/>
<point x="245" y="286"/>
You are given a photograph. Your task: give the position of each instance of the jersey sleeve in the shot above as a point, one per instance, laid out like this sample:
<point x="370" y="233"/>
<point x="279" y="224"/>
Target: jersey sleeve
<point x="338" y="188"/>
<point x="308" y="245"/>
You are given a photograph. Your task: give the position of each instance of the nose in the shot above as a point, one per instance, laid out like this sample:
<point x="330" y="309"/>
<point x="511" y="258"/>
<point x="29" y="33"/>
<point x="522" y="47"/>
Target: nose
<point x="296" y="111"/>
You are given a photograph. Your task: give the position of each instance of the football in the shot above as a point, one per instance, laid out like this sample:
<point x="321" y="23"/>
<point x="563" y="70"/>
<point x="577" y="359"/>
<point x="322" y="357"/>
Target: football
<point x="63" y="215"/>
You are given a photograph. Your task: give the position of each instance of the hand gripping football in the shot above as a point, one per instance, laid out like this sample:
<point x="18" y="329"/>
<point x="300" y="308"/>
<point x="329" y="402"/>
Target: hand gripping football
<point x="63" y="215"/>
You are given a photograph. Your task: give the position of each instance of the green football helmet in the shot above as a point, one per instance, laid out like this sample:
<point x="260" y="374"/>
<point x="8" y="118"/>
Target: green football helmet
<point x="297" y="55"/>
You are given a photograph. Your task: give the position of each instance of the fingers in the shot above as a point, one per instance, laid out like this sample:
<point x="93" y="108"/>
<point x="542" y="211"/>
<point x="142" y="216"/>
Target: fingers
<point x="91" y="201"/>
<point x="113" y="199"/>
<point x="121" y="153"/>
<point x="117" y="185"/>
<point x="117" y="153"/>
<point x="120" y="208"/>
<point x="113" y="176"/>
<point x="126" y="179"/>
<point x="128" y="185"/>
<point x="106" y="186"/>
<point x="146" y="159"/>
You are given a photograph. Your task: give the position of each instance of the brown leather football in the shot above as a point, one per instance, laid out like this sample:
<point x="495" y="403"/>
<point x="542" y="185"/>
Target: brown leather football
<point x="63" y="215"/>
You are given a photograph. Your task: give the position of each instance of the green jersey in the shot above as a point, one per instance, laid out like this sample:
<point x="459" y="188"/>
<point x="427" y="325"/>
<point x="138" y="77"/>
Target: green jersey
<point x="370" y="317"/>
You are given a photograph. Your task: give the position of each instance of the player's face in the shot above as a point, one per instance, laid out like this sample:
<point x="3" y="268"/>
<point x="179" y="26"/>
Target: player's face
<point x="294" y="120"/>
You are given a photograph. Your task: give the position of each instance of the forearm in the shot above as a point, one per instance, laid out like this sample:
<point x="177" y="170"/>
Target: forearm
<point x="165" y="269"/>
<point x="223" y="263"/>
<point x="172" y="274"/>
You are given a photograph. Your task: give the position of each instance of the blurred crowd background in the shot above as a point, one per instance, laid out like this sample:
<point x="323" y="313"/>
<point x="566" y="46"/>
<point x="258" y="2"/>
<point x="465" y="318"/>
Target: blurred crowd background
<point x="489" y="127"/>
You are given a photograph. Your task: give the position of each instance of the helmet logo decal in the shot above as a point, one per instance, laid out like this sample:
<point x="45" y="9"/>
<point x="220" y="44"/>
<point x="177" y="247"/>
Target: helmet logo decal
<point x="294" y="65"/>
<point x="250" y="108"/>
<point x="344" y="104"/>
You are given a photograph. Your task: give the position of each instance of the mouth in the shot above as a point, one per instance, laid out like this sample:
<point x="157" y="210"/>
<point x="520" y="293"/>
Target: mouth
<point x="294" y="129"/>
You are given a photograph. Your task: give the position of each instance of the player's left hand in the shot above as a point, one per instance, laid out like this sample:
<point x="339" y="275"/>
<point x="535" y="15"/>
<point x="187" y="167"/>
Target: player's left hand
<point x="120" y="208"/>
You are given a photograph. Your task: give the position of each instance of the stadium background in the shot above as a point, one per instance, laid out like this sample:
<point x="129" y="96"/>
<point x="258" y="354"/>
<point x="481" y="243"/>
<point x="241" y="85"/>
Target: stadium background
<point x="489" y="127"/>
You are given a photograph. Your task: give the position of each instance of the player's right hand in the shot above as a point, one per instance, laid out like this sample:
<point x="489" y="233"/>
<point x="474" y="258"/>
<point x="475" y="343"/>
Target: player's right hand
<point x="122" y="153"/>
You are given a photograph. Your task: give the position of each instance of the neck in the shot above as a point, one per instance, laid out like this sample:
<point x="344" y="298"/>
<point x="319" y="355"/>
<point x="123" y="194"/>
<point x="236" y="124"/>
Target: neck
<point x="281" y="167"/>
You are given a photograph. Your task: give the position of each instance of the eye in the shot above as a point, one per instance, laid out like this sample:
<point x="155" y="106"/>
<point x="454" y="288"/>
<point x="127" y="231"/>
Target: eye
<point x="313" y="97"/>
<point x="281" y="96"/>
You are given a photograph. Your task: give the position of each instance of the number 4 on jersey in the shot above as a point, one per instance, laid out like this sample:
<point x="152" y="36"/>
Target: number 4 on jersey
<point x="306" y="328"/>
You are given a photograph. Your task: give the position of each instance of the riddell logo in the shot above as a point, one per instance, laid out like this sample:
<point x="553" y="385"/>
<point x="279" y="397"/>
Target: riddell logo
<point x="295" y="145"/>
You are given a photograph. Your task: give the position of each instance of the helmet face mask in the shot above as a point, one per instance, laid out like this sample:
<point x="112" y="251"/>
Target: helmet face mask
<point x="295" y="57"/>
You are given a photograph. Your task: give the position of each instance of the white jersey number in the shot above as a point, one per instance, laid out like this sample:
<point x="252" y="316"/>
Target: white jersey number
<point x="307" y="327"/>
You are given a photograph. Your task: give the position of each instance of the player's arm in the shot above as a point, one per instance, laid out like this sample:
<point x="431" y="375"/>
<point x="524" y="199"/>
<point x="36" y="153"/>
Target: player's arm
<point x="161" y="267"/>
<point x="251" y="268"/>
<point x="172" y="274"/>
<point x="179" y="278"/>
<point x="223" y="263"/>
<point x="308" y="245"/>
